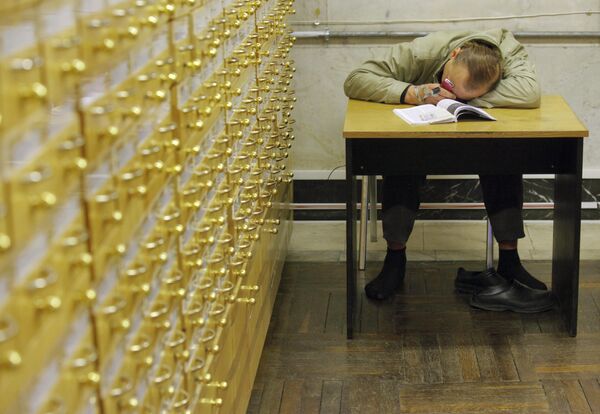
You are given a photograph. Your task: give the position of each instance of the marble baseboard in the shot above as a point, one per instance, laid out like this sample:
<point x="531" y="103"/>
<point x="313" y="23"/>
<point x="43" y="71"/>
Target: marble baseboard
<point x="434" y="241"/>
<point x="441" y="191"/>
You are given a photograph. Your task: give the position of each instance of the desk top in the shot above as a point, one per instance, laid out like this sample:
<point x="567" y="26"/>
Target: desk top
<point x="553" y="119"/>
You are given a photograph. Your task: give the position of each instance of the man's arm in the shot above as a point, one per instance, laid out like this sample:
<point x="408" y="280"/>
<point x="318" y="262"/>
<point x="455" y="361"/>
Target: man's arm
<point x="519" y="87"/>
<point x="383" y="80"/>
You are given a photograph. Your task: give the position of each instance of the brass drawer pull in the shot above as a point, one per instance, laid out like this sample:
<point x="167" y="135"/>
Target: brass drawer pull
<point x="26" y="64"/>
<point x="8" y="328"/>
<point x="169" y="217"/>
<point x="115" y="305"/>
<point x="39" y="175"/>
<point x="106" y="198"/>
<point x="177" y="340"/>
<point x="157" y="242"/>
<point x="136" y="271"/>
<point x="164" y="374"/>
<point x="157" y="310"/>
<point x="143" y="343"/>
<point x="181" y="399"/>
<point x="167" y="128"/>
<point x="122" y="387"/>
<point x="203" y="284"/>
<point x="86" y="357"/>
<point x="155" y="149"/>
<point x="211" y="401"/>
<point x="73" y="143"/>
<point x="48" y="278"/>
<point x="227" y="286"/>
<point x="132" y="175"/>
<point x="75" y="240"/>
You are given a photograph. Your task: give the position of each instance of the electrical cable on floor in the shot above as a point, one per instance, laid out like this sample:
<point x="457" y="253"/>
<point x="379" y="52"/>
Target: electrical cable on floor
<point x="332" y="171"/>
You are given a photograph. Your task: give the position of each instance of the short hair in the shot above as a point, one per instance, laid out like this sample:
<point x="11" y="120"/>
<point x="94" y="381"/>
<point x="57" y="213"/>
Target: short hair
<point x="483" y="61"/>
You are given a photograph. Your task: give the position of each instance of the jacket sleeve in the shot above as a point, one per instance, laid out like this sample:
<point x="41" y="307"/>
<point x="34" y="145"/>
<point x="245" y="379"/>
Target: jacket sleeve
<point x="383" y="80"/>
<point x="519" y="86"/>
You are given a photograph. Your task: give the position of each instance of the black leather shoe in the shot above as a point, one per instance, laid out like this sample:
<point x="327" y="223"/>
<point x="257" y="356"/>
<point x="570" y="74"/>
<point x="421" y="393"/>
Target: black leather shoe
<point x="513" y="296"/>
<point x="473" y="282"/>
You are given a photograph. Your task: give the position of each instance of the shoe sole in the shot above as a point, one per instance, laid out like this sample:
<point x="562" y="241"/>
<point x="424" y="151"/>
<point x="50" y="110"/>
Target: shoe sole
<point x="391" y="294"/>
<point x="502" y="308"/>
<point x="465" y="289"/>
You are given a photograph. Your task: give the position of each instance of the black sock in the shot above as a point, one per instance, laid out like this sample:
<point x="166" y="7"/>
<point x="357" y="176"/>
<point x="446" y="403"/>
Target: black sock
<point x="510" y="267"/>
<point x="390" y="277"/>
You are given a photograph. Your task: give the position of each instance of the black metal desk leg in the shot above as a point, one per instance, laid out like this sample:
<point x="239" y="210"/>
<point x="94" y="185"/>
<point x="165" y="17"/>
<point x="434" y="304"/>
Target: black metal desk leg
<point x="350" y="241"/>
<point x="567" y="228"/>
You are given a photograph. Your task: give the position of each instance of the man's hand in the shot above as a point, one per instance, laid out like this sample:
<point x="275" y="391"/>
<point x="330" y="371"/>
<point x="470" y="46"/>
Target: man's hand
<point x="421" y="94"/>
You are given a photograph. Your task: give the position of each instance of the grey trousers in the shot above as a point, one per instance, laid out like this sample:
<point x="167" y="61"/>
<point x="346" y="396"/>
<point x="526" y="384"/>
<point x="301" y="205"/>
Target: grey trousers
<point x="502" y="196"/>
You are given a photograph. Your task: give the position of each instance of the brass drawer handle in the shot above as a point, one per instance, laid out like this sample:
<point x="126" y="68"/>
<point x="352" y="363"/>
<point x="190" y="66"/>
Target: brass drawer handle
<point x="78" y="239"/>
<point x="225" y="239"/>
<point x="98" y="110"/>
<point x="123" y="94"/>
<point x="167" y="128"/>
<point x="215" y="258"/>
<point x="164" y="374"/>
<point x="144" y="77"/>
<point x="87" y="357"/>
<point x="26" y="64"/>
<point x="181" y="399"/>
<point x="8" y="328"/>
<point x="177" y="340"/>
<point x="106" y="198"/>
<point x="151" y="245"/>
<point x="67" y="43"/>
<point x="211" y="401"/>
<point x="39" y="175"/>
<point x="209" y="335"/>
<point x="136" y="271"/>
<point x="48" y="278"/>
<point x="132" y="175"/>
<point x="124" y="385"/>
<point x="186" y="48"/>
<point x="162" y="62"/>
<point x="203" y="284"/>
<point x="98" y="23"/>
<point x="196" y="365"/>
<point x="191" y="191"/>
<point x="73" y="143"/>
<point x="203" y="228"/>
<point x="194" y="311"/>
<point x="189" y="109"/>
<point x="172" y="278"/>
<point x="155" y="149"/>
<point x="157" y="310"/>
<point x="169" y="217"/>
<point x="190" y="251"/>
<point x="227" y="286"/>
<point x="143" y="343"/>
<point x="116" y="305"/>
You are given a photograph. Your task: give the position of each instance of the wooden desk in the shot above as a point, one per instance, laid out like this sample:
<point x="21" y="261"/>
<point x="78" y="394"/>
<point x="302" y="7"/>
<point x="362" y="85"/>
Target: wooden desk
<point x="546" y="140"/>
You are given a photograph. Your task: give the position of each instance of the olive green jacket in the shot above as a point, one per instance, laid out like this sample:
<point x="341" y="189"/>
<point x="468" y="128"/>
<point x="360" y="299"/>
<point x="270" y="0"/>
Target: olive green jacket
<point x="422" y="60"/>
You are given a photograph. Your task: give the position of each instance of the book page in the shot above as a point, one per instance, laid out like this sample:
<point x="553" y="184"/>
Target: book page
<point x="424" y="114"/>
<point x="457" y="108"/>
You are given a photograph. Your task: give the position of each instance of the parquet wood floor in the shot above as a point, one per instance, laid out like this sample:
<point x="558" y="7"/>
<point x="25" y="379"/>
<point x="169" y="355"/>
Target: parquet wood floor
<point x="426" y="351"/>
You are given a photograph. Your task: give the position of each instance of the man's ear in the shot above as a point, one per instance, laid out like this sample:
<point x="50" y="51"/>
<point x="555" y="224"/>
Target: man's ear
<point x="454" y="53"/>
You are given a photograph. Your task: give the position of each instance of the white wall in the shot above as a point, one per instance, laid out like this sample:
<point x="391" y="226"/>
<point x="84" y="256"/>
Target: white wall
<point x="568" y="67"/>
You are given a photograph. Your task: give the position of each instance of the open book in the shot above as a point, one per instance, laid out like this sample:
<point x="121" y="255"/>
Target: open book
<point x="446" y="110"/>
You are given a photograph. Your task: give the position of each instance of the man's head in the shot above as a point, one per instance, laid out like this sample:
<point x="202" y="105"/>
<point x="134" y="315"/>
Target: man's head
<point x="474" y="68"/>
